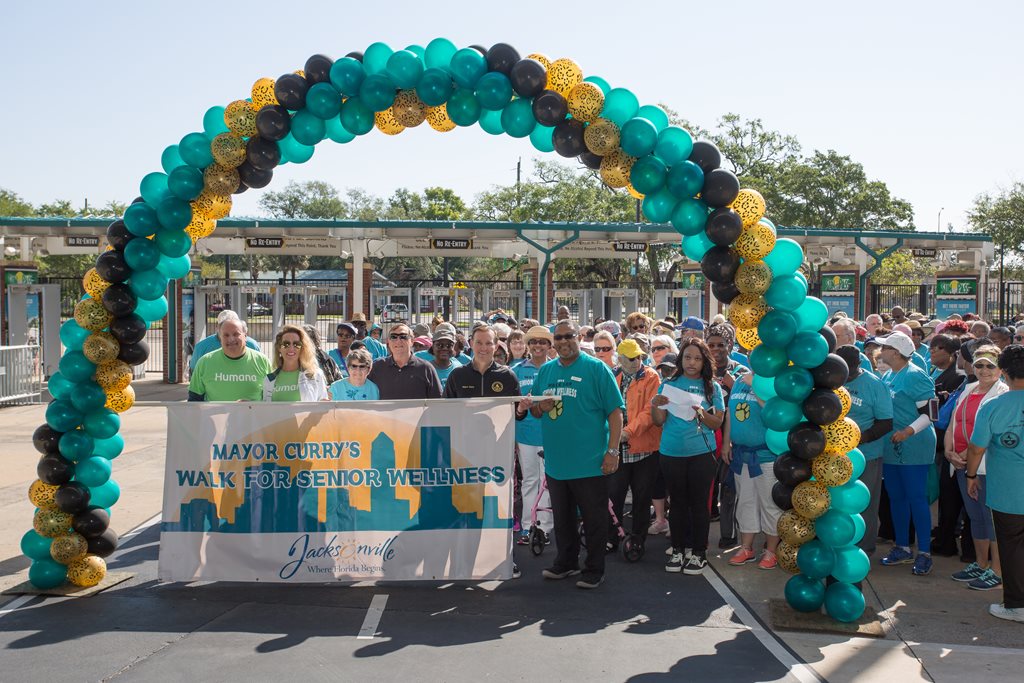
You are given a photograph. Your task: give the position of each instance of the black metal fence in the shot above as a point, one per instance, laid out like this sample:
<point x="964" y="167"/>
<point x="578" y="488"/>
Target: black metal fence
<point x="1004" y="309"/>
<point x="919" y="298"/>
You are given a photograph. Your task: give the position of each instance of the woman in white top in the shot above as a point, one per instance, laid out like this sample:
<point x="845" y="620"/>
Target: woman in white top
<point x="296" y="375"/>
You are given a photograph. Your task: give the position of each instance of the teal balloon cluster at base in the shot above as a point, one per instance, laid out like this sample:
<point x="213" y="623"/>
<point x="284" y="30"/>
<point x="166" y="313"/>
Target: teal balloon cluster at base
<point x="844" y="602"/>
<point x="805" y="594"/>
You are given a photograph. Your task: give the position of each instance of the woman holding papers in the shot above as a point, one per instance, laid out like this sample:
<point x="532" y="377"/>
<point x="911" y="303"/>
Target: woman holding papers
<point x="691" y="407"/>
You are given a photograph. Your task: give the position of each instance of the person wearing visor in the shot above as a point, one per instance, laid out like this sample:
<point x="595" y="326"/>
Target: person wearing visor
<point x="376" y="349"/>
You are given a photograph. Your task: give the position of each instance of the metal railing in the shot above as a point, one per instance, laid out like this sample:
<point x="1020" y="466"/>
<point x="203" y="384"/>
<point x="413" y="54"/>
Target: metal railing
<point x="21" y="376"/>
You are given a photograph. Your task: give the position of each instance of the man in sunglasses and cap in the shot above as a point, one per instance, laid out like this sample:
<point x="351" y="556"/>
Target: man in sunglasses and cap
<point x="402" y="375"/>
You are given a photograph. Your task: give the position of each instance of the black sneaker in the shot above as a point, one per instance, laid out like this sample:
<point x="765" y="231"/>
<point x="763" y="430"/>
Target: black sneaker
<point x="590" y="581"/>
<point x="675" y="562"/>
<point x="516" y="573"/>
<point x="557" y="573"/>
<point x="695" y="565"/>
<point x="727" y="542"/>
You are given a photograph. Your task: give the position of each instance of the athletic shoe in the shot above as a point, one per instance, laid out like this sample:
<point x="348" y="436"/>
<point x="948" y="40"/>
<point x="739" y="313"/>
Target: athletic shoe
<point x="686" y="551"/>
<point x="695" y="565"/>
<point x="727" y="542"/>
<point x="986" y="582"/>
<point x="557" y="573"/>
<point x="742" y="556"/>
<point x="658" y="527"/>
<point x="768" y="560"/>
<point x="675" y="563"/>
<point x="515" y="571"/>
<point x="897" y="556"/>
<point x="590" y="581"/>
<point x="968" y="573"/>
<point x="1008" y="613"/>
<point x="922" y="565"/>
<point x="523" y="538"/>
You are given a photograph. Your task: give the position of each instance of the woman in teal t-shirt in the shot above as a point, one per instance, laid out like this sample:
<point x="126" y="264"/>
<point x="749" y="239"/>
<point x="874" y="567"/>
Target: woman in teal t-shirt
<point x="688" y="451"/>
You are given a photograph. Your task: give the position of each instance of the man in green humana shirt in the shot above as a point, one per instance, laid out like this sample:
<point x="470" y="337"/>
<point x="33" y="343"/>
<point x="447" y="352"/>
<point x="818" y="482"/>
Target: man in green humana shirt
<point x="232" y="373"/>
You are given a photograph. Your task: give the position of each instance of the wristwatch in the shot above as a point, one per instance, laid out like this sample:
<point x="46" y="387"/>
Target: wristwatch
<point x="612" y="451"/>
<point x="970" y="476"/>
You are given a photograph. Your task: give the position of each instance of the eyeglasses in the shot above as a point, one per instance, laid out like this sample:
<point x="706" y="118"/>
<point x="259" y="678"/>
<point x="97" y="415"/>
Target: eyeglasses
<point x="539" y="341"/>
<point x="602" y="349"/>
<point x="287" y="344"/>
<point x="358" y="367"/>
<point x="396" y="337"/>
<point x="658" y="348"/>
<point x="564" y="337"/>
<point x="639" y="328"/>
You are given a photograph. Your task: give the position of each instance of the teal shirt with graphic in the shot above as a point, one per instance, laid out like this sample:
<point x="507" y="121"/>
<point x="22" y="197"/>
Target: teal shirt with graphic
<point x="528" y="430"/>
<point x="869" y="401"/>
<point x="461" y="359"/>
<point x="907" y="388"/>
<point x="745" y="425"/>
<point x="286" y="387"/>
<point x="344" y="390"/>
<point x="685" y="438"/>
<point x="575" y="431"/>
<point x="999" y="429"/>
<point x="220" y="378"/>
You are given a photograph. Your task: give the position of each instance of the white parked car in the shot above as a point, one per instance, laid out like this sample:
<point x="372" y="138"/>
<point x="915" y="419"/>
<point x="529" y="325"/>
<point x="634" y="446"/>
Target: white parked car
<point x="393" y="313"/>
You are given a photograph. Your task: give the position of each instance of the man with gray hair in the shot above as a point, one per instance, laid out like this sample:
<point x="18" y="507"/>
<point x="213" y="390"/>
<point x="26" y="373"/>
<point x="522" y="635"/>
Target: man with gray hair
<point x="212" y="343"/>
<point x="233" y="372"/>
<point x="846" y="335"/>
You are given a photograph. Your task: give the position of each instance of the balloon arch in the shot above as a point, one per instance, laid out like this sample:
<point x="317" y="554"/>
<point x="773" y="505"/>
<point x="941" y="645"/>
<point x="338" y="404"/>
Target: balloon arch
<point x="633" y="147"/>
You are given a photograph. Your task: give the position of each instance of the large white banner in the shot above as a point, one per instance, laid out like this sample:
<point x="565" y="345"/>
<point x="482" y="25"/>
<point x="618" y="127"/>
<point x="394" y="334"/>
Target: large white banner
<point x="338" y="491"/>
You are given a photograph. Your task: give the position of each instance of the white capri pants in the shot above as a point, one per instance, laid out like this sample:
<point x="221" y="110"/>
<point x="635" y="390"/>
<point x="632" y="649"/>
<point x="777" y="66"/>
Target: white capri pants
<point x="755" y="509"/>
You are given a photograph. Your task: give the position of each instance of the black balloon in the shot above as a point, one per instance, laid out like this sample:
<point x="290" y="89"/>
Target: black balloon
<point x="134" y="354"/>
<point x="822" y="407"/>
<point x="262" y="153"/>
<point x="502" y="57"/>
<point x="118" y="235"/>
<point x="568" y="138"/>
<point x="91" y="522"/>
<point x="723" y="226"/>
<point x="72" y="497"/>
<point x="832" y="373"/>
<point x="590" y="160"/>
<point x="830" y="337"/>
<point x="318" y="69"/>
<point x="806" y="441"/>
<point x="791" y="470"/>
<point x="290" y="91"/>
<point x="725" y="291"/>
<point x="55" y="469"/>
<point x="104" y="544"/>
<point x="721" y="187"/>
<point x="253" y="177"/>
<point x="706" y="155"/>
<point x="273" y="122"/>
<point x="720" y="264"/>
<point x="480" y="48"/>
<point x="111" y="266"/>
<point x="550" y="108"/>
<point x="119" y="299"/>
<point x="356" y="55"/>
<point x="138" y="200"/>
<point x="528" y="77"/>
<point x="782" y="495"/>
<point x="128" y="329"/>
<point x="46" y="439"/>
<point x="242" y="187"/>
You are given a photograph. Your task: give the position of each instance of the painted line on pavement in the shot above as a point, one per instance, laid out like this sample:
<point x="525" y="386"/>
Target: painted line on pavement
<point x="373" y="615"/>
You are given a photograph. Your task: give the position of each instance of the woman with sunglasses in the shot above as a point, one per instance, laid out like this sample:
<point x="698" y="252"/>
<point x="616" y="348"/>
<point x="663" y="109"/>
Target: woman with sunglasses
<point x="604" y="348"/>
<point x="660" y="346"/>
<point x="296" y="375"/>
<point x="357" y="386"/>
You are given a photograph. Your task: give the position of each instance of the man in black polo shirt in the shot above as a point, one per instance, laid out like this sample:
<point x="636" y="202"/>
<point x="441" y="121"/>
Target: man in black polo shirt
<point x="402" y="375"/>
<point x="482" y="377"/>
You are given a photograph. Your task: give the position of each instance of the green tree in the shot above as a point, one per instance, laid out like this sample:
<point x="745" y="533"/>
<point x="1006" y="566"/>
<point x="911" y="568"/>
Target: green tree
<point x="900" y="268"/>
<point x="1001" y="215"/>
<point x="13" y="206"/>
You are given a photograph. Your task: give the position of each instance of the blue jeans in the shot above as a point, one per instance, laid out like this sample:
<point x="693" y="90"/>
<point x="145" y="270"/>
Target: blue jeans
<point x="907" y="486"/>
<point x="981" y="517"/>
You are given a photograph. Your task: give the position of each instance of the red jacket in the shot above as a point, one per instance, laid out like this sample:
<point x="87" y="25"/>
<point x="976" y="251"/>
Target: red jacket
<point x="644" y="436"/>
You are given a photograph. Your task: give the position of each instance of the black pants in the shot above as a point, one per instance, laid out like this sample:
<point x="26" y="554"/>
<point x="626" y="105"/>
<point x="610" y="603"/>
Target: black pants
<point x="1010" y="537"/>
<point x="951" y="511"/>
<point x="690" y="482"/>
<point x="640" y="477"/>
<point x="726" y="484"/>
<point x="590" y="495"/>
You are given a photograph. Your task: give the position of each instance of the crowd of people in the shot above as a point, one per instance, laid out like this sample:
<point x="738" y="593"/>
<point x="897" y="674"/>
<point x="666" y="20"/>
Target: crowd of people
<point x="665" y="413"/>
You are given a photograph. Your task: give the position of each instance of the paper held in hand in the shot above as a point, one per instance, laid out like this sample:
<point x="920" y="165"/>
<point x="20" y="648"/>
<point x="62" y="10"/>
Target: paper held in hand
<point x="681" y="403"/>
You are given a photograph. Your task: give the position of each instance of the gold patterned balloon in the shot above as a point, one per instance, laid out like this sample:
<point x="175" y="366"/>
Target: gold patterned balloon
<point x="615" y="168"/>
<point x="786" y="555"/>
<point x="749" y="204"/>
<point x="601" y="137"/>
<point x="209" y="205"/>
<point x="240" y="117"/>
<point x="263" y="93"/>
<point x="748" y="337"/>
<point x="93" y="284"/>
<point x="755" y="242"/>
<point x="41" y="494"/>
<point x="845" y="399"/>
<point x="200" y="227"/>
<point x="408" y="109"/>
<point x="120" y="401"/>
<point x="87" y="571"/>
<point x="794" y="529"/>
<point x="832" y="469"/>
<point x="386" y="123"/>
<point x="219" y="179"/>
<point x="746" y="310"/>
<point x="114" y="375"/>
<point x="51" y="523"/>
<point x="841" y="436"/>
<point x="90" y="315"/>
<point x="438" y="119"/>
<point x="68" y="548"/>
<point x="633" y="192"/>
<point x="100" y="347"/>
<point x="585" y="101"/>
<point x="563" y="75"/>
<point x="753" y="277"/>
<point x="228" y="150"/>
<point x="543" y="59"/>
<point x="811" y="499"/>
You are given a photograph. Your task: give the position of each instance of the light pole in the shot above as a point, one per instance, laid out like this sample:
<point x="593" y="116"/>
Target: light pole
<point x="938" y="221"/>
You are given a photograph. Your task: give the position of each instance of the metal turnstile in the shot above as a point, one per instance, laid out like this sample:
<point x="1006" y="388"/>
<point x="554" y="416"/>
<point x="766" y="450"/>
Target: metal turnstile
<point x="576" y="300"/>
<point x="509" y="300"/>
<point x="679" y="303"/>
<point x="613" y="304"/>
<point x="34" y="319"/>
<point x="459" y="301"/>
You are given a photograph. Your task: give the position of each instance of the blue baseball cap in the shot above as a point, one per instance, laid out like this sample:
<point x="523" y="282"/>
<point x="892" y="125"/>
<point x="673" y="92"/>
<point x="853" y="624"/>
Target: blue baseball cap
<point x="691" y="323"/>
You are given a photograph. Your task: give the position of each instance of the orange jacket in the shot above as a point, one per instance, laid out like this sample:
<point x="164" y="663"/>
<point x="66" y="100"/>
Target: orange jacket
<point x="644" y="436"/>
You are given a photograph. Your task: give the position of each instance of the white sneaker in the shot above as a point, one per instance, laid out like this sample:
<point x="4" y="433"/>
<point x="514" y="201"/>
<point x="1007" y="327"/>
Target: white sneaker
<point x="1008" y="613"/>
<point x="658" y="527"/>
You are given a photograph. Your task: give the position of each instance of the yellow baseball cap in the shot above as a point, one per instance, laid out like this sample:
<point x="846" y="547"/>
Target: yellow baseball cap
<point x="630" y="349"/>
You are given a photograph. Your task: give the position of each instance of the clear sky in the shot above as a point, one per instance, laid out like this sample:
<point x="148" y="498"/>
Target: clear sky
<point x="926" y="95"/>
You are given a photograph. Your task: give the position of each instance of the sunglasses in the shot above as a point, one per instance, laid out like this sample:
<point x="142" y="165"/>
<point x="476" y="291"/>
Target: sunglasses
<point x="658" y="348"/>
<point x="396" y="337"/>
<point x="603" y="349"/>
<point x="639" y="328"/>
<point x="564" y="337"/>
<point x="359" y="367"/>
<point x="986" y="366"/>
<point x="539" y="341"/>
<point x="288" y="344"/>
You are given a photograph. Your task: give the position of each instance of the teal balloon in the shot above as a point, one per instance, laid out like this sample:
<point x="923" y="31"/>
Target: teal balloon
<point x="638" y="137"/>
<point x="600" y="83"/>
<point x="490" y="121"/>
<point x="786" y="293"/>
<point x="94" y="471"/>
<point x="173" y="243"/>
<point x="323" y="101"/>
<point x="811" y="315"/>
<point x="141" y="220"/>
<point x="685" y="179"/>
<point x="213" y="122"/>
<point x="356" y="117"/>
<point x="296" y="152"/>
<point x="541" y="138"/>
<point x="174" y="267"/>
<point x="768" y="223"/>
<point x="463" y="107"/>
<point x="674" y="146"/>
<point x="308" y="129"/>
<point x="764" y="387"/>
<point x="185" y="182"/>
<point x="808" y="349"/>
<point x="170" y="159"/>
<point x="73" y="335"/>
<point x="88" y="396"/>
<point x="852" y="563"/>
<point x="659" y="207"/>
<point x="815" y="559"/>
<point x="151" y="310"/>
<point x="417" y="50"/>
<point x="494" y="90"/>
<point x="62" y="416"/>
<point x="60" y="386"/>
<point x="375" y="58"/>
<point x="148" y="284"/>
<point x="377" y="92"/>
<point x="777" y="441"/>
<point x="153" y="188"/>
<point x="102" y="423"/>
<point x="780" y="414"/>
<point x="785" y="257"/>
<point x="861" y="525"/>
<point x="173" y="214"/>
<point x="689" y="215"/>
<point x="347" y="75"/>
<point x="194" y="149"/>
<point x="852" y="497"/>
<point x="777" y="328"/>
<point x="435" y="87"/>
<point x="76" y="445"/>
<point x="517" y="118"/>
<point x="804" y="594"/>
<point x="405" y="69"/>
<point x="835" y="528"/>
<point x="620" y="105"/>
<point x="108" y="448"/>
<point x="844" y="602"/>
<point x="337" y="132"/>
<point x="106" y="494"/>
<point x="768" y="360"/>
<point x="655" y="115"/>
<point x="794" y="384"/>
<point x="467" y="67"/>
<point x="648" y="174"/>
<point x="45" y="574"/>
<point x="34" y="546"/>
<point x="76" y="367"/>
<point x="856" y="457"/>
<point x="439" y="53"/>
<point x="695" y="246"/>
<point x="803" y="278"/>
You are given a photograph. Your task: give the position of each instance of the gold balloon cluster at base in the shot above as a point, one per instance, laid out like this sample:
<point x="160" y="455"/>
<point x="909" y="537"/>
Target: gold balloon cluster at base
<point x="51" y="523"/>
<point x="87" y="571"/>
<point x="832" y="469"/>
<point x="795" y="529"/>
<point x="811" y="499"/>
<point x="786" y="556"/>
<point x="68" y="548"/>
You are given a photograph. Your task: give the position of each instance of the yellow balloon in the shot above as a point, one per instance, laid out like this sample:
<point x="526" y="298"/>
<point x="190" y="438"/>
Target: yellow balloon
<point x="748" y="337"/>
<point x="120" y="401"/>
<point x="832" y="469"/>
<point x="219" y="179"/>
<point x="114" y="375"/>
<point x="228" y="150"/>
<point x="563" y="75"/>
<point x="200" y="227"/>
<point x="263" y="93"/>
<point x="585" y="101"/>
<point x="240" y="117"/>
<point x="209" y="205"/>
<point x="750" y="205"/>
<point x="601" y="137"/>
<point x="438" y="119"/>
<point x="93" y="284"/>
<point x="408" y="109"/>
<point x="87" y="571"/>
<point x="746" y="310"/>
<point x="90" y="315"/>
<point x="615" y="168"/>
<point x="753" y="277"/>
<point x="41" y="495"/>
<point x="811" y="499"/>
<point x="386" y="123"/>
<point x="51" y="523"/>
<point x="786" y="555"/>
<point x="68" y="548"/>
<point x="794" y="529"/>
<point x="543" y="59"/>
<point x="845" y="399"/>
<point x="100" y="347"/>
<point x="755" y="242"/>
<point x="842" y="436"/>
<point x="632" y="192"/>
